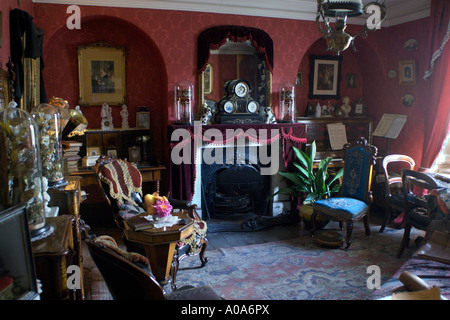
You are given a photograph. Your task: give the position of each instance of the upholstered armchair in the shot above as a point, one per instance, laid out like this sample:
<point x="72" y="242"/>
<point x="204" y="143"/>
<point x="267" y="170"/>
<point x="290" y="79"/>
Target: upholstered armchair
<point x="121" y="183"/>
<point x="355" y="197"/>
<point x="128" y="275"/>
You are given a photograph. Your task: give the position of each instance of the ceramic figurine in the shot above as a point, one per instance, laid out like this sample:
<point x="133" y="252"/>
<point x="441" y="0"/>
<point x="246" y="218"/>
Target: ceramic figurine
<point x="206" y="117"/>
<point x="107" y="120"/>
<point x="124" y="115"/>
<point x="318" y="111"/>
<point x="270" y="117"/>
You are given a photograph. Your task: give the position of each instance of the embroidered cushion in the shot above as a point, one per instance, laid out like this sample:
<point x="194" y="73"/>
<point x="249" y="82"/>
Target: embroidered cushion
<point x="347" y="208"/>
<point x="123" y="178"/>
<point x="355" y="180"/>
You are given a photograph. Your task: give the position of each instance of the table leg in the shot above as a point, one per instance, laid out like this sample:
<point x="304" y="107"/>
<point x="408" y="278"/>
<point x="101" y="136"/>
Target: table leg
<point x="160" y="257"/>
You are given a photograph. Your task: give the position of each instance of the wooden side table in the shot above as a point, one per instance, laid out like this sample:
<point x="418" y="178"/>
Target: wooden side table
<point x="68" y="199"/>
<point x="52" y="256"/>
<point x="160" y="245"/>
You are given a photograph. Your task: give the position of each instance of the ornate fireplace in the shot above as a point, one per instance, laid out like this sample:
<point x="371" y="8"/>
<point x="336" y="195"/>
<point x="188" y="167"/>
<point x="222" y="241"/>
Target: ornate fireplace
<point x="231" y="178"/>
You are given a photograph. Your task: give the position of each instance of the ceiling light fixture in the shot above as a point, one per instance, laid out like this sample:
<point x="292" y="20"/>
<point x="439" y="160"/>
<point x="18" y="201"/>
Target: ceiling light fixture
<point x="337" y="39"/>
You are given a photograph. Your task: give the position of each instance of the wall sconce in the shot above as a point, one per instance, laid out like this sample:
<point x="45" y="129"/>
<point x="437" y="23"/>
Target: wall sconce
<point x="184" y="93"/>
<point x="287" y="103"/>
<point x="337" y="39"/>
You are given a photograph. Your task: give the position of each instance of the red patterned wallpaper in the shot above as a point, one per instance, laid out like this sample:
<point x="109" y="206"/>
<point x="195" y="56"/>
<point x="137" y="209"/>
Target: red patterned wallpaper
<point x="161" y="50"/>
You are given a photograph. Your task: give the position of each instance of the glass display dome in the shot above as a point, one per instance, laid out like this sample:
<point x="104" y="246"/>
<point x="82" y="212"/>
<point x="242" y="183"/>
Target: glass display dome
<point x="48" y="121"/>
<point x="184" y="99"/>
<point x="287" y="103"/>
<point x="21" y="168"/>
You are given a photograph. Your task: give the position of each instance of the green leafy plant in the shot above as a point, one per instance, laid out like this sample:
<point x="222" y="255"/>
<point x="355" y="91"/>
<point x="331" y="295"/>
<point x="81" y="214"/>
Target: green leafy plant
<point x="316" y="183"/>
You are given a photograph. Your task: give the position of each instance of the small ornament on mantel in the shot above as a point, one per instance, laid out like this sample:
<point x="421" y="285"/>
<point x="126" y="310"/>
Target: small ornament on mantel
<point x="124" y="115"/>
<point x="107" y="120"/>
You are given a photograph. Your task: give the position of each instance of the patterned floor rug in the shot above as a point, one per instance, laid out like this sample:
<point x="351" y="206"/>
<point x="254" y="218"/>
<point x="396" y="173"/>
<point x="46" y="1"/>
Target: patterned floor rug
<point x="298" y="269"/>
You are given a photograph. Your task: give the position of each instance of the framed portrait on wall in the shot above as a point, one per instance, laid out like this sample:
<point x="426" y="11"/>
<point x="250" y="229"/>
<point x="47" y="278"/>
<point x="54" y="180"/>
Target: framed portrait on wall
<point x="407" y="72"/>
<point x="101" y="73"/>
<point x="324" y="77"/>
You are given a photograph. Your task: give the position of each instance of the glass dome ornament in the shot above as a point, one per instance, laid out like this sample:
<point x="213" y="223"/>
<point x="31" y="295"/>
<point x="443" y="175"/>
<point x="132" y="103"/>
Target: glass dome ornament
<point x="48" y="120"/>
<point x="287" y="103"/>
<point x="184" y="93"/>
<point x="21" y="180"/>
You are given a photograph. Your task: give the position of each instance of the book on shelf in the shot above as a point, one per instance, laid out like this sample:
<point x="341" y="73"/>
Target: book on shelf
<point x="72" y="143"/>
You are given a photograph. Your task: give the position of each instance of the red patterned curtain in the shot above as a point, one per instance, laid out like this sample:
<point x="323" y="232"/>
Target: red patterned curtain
<point x="437" y="122"/>
<point x="215" y="37"/>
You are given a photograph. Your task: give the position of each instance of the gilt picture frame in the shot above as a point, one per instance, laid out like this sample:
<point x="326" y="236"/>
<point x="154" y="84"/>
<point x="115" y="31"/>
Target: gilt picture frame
<point x="325" y="77"/>
<point x="208" y="79"/>
<point x="93" y="151"/>
<point x="101" y="72"/>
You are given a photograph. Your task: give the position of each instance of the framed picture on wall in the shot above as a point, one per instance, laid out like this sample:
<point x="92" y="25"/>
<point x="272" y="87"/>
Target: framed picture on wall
<point x="351" y="80"/>
<point x="101" y="73"/>
<point x="208" y="79"/>
<point x="324" y="77"/>
<point x="407" y="72"/>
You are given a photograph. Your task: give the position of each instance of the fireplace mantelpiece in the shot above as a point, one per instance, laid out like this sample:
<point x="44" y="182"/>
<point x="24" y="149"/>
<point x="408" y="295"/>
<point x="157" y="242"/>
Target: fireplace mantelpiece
<point x="185" y="176"/>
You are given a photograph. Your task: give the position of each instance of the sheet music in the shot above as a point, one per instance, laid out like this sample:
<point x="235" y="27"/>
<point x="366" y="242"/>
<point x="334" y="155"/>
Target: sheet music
<point x="396" y="127"/>
<point x="337" y="135"/>
<point x="390" y="125"/>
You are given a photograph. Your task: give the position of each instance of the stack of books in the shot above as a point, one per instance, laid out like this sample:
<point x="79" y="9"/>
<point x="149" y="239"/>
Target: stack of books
<point x="70" y="154"/>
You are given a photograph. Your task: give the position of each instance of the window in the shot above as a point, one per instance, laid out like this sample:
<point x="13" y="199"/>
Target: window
<point x="442" y="162"/>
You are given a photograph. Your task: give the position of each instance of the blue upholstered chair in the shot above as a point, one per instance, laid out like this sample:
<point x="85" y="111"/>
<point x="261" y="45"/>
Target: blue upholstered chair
<point x="355" y="197"/>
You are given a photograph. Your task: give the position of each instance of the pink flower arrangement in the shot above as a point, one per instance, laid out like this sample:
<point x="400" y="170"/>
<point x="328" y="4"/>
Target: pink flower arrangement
<point x="162" y="208"/>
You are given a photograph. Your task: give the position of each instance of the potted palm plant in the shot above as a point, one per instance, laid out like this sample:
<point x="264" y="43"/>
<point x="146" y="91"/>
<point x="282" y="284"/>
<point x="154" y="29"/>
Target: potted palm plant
<point x="309" y="183"/>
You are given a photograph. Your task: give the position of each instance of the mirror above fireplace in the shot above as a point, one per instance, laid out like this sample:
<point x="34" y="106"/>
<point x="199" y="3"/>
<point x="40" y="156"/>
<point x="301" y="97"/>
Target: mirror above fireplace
<point x="234" y="52"/>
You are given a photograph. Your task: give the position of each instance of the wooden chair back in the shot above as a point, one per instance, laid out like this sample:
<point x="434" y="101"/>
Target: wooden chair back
<point x="405" y="161"/>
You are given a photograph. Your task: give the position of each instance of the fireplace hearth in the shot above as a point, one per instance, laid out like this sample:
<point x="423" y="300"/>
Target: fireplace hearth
<point x="236" y="191"/>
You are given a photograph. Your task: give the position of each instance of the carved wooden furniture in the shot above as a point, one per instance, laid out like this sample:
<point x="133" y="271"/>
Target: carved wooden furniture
<point x="355" y="197"/>
<point x="126" y="198"/>
<point x="149" y="174"/>
<point x="417" y="211"/>
<point x="159" y="245"/>
<point x="52" y="255"/>
<point x="394" y="201"/>
<point x="68" y="199"/>
<point x="127" y="280"/>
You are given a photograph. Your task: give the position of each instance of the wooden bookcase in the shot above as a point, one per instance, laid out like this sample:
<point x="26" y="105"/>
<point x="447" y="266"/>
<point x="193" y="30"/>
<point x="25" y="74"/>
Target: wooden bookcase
<point x="120" y="140"/>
